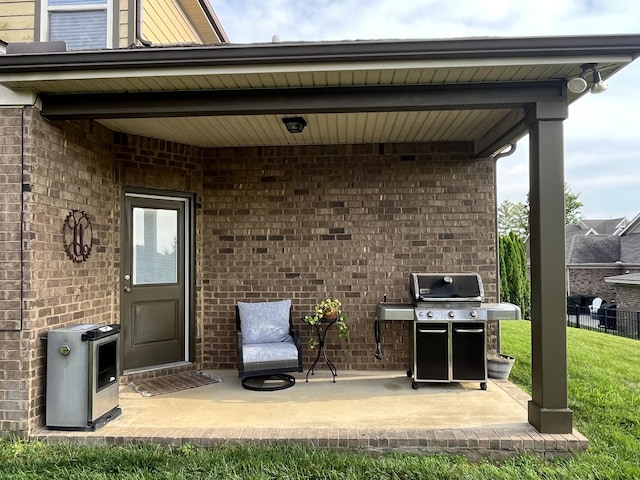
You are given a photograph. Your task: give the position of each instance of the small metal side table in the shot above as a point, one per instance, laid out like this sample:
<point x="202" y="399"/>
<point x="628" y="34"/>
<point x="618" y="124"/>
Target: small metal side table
<point x="321" y="333"/>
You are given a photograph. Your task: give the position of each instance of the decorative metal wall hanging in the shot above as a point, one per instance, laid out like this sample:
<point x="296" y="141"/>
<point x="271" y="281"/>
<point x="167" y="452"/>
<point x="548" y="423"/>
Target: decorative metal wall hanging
<point x="78" y="236"/>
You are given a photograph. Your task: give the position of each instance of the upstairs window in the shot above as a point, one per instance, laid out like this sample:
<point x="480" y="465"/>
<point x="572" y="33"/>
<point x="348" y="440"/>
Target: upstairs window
<point x="82" y="24"/>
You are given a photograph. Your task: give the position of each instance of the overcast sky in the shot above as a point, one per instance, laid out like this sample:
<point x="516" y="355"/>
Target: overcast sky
<point x="602" y="135"/>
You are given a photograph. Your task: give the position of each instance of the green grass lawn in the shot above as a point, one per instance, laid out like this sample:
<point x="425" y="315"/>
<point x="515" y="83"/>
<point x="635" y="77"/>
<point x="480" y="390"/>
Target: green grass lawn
<point x="604" y="389"/>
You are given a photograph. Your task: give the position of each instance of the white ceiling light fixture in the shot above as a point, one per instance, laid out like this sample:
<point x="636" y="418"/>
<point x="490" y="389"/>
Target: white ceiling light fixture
<point x="599" y="85"/>
<point x="579" y="84"/>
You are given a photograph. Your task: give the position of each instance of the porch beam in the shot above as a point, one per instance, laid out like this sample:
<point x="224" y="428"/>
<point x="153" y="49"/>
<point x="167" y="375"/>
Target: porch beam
<point x="283" y="101"/>
<point x="508" y="129"/>
<point x="548" y="407"/>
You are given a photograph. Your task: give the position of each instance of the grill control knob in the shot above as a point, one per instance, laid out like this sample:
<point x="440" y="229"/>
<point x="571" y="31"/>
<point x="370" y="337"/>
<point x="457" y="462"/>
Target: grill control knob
<point x="473" y="314"/>
<point x="452" y="314"/>
<point x="430" y="314"/>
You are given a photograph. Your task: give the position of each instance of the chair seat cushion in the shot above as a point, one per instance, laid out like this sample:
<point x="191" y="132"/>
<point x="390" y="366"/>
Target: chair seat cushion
<point x="264" y="353"/>
<point x="264" y="322"/>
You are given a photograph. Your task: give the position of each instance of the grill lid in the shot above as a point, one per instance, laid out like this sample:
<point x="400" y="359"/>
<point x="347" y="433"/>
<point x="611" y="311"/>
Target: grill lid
<point x="445" y="287"/>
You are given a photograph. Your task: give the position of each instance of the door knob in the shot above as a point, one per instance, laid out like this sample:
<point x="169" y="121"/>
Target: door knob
<point x="127" y="289"/>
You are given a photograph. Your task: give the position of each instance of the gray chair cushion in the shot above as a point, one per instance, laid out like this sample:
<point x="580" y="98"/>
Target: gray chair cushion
<point x="270" y="352"/>
<point x="264" y="322"/>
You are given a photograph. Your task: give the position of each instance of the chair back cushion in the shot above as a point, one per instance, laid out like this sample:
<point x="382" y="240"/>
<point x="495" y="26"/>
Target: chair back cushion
<point x="264" y="322"/>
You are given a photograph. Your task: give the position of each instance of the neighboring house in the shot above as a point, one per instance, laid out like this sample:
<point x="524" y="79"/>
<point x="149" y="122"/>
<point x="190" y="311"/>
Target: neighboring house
<point x="597" y="249"/>
<point x="627" y="288"/>
<point x="182" y="153"/>
<point x="97" y="24"/>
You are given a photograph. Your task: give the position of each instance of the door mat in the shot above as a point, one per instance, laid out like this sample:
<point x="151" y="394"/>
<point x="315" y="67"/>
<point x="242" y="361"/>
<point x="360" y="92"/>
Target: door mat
<point x="173" y="383"/>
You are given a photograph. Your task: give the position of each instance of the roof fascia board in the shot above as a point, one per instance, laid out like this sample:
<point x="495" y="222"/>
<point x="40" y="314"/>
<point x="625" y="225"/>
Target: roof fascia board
<point x="342" y="52"/>
<point x="18" y="98"/>
<point x="631" y="225"/>
<point x="622" y="281"/>
<point x="11" y="76"/>
<point x="299" y="100"/>
<point x="579" y="266"/>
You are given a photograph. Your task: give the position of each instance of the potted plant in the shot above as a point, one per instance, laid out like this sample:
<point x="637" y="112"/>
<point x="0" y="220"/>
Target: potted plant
<point x="499" y="365"/>
<point x="327" y="312"/>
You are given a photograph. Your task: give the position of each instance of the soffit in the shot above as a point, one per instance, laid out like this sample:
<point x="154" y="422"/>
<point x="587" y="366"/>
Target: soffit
<point x="335" y="128"/>
<point x="463" y="63"/>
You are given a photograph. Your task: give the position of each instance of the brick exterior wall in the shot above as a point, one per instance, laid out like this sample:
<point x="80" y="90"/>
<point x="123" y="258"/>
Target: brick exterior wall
<point x="341" y="221"/>
<point x="275" y="222"/>
<point x="14" y="351"/>
<point x="10" y="216"/>
<point x="628" y="297"/>
<point x="67" y="167"/>
<point x="591" y="281"/>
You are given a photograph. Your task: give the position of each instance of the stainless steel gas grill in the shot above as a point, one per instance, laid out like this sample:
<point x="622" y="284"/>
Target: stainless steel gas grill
<point x="449" y="334"/>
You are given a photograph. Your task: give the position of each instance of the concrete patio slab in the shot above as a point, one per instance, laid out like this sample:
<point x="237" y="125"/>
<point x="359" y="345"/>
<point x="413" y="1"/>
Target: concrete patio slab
<point x="376" y="411"/>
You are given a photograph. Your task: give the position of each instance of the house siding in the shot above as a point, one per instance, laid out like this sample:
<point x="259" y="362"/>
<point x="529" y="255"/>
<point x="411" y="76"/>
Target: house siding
<point x="165" y="22"/>
<point x="303" y="222"/>
<point x="125" y="38"/>
<point x="17" y="20"/>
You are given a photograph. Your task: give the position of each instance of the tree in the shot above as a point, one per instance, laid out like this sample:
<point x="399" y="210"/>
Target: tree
<point x="514" y="279"/>
<point x="514" y="217"/>
<point x="572" y="206"/>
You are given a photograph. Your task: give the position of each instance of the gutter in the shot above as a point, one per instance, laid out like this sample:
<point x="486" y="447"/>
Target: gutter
<point x="214" y="20"/>
<point x="624" y="47"/>
<point x="603" y="265"/>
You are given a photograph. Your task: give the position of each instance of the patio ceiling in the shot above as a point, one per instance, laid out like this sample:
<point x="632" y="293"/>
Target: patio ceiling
<point x="472" y="90"/>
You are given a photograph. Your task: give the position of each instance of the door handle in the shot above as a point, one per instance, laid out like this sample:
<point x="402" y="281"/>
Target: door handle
<point x="468" y="330"/>
<point x="431" y="331"/>
<point x="127" y="289"/>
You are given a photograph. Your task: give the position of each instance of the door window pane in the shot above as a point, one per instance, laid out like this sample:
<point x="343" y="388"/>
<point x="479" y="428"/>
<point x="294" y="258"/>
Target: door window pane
<point x="155" y="246"/>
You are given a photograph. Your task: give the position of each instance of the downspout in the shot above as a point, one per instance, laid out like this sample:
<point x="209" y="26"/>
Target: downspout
<point x="23" y="189"/>
<point x="135" y="24"/>
<point x="497" y="157"/>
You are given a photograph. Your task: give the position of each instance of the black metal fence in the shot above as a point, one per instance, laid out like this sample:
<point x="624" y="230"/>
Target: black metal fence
<point x="608" y="319"/>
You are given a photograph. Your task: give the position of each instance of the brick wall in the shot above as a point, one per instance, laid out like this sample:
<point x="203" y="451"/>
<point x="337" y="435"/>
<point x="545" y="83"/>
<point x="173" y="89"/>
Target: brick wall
<point x="345" y="221"/>
<point x="13" y="356"/>
<point x="150" y="163"/>
<point x="590" y="281"/>
<point x="307" y="222"/>
<point x="67" y="167"/>
<point x="10" y="217"/>
<point x="628" y="297"/>
<point x="292" y="222"/>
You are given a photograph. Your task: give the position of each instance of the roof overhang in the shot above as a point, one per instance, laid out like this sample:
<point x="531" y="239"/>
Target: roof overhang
<point x="628" y="279"/>
<point x="474" y="90"/>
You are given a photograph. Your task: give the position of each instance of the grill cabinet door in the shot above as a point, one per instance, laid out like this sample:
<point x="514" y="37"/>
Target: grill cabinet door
<point x="431" y="351"/>
<point x="469" y="351"/>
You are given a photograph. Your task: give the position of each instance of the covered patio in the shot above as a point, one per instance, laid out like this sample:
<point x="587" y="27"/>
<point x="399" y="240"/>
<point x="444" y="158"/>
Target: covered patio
<point x="394" y="172"/>
<point x="372" y="411"/>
